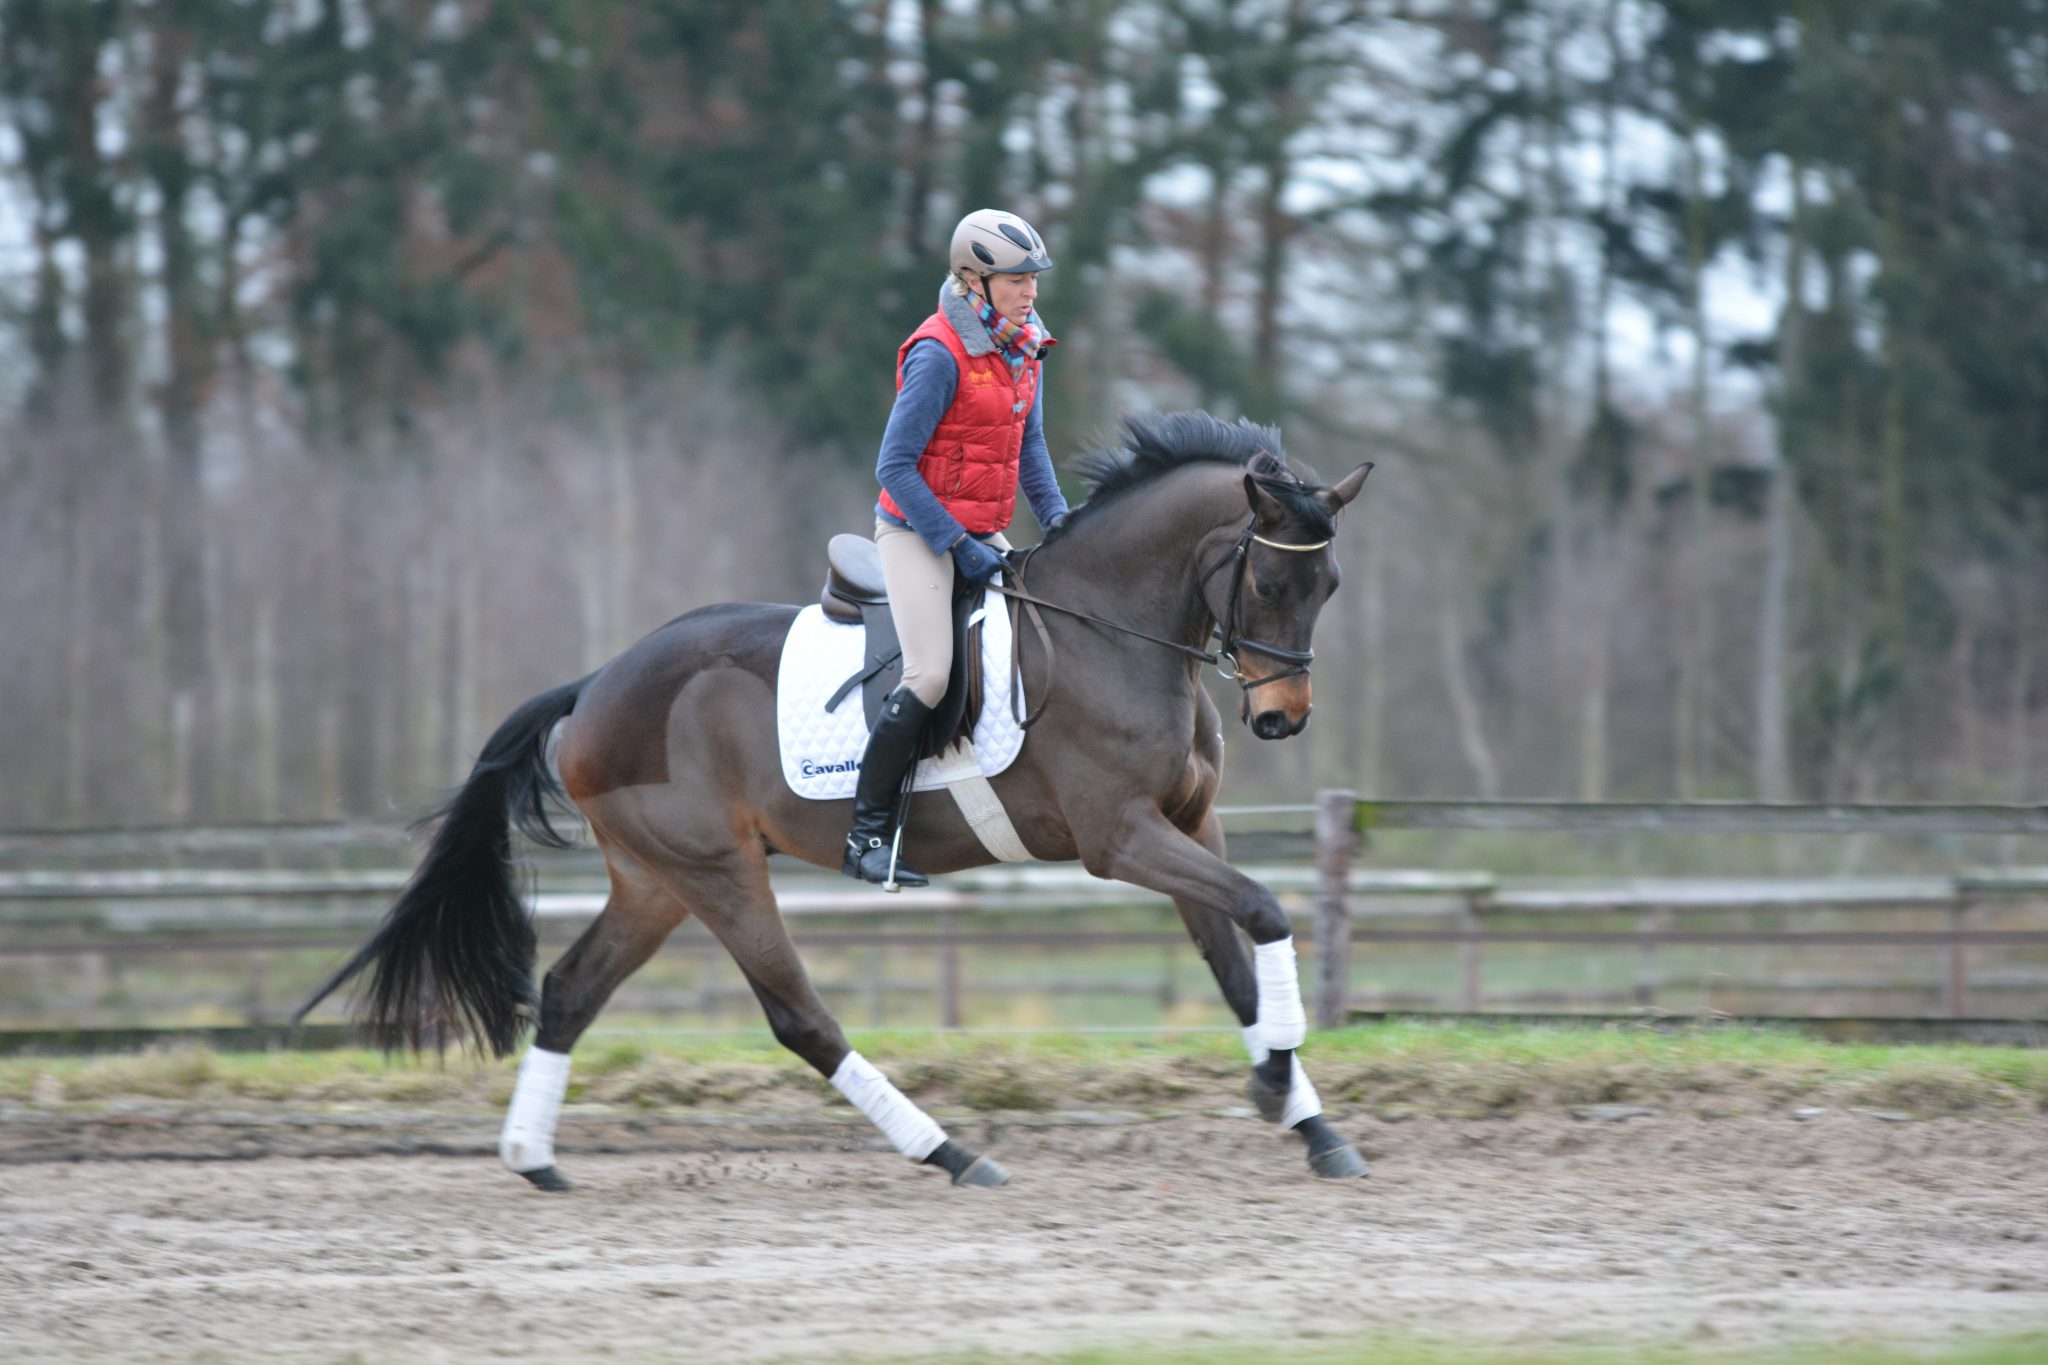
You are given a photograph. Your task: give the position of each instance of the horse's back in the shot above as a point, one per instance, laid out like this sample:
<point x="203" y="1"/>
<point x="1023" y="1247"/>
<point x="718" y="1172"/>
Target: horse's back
<point x="618" y="735"/>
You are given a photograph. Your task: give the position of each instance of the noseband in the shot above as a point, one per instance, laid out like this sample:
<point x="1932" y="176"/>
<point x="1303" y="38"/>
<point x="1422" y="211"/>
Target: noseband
<point x="1227" y="632"/>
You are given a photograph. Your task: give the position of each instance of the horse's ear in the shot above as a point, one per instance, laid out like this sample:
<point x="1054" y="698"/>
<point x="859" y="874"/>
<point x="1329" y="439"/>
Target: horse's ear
<point x="1340" y="494"/>
<point x="1264" y="505"/>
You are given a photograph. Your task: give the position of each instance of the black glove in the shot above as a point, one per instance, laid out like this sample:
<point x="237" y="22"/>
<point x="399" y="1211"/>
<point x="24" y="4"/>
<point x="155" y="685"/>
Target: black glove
<point x="976" y="562"/>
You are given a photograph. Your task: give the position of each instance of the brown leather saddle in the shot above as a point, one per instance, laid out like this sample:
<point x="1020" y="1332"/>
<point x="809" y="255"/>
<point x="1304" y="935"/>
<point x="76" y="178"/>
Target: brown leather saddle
<point x="855" y="595"/>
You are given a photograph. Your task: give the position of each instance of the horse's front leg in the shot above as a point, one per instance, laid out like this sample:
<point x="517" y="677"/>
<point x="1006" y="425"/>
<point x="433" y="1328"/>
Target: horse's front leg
<point x="1262" y="987"/>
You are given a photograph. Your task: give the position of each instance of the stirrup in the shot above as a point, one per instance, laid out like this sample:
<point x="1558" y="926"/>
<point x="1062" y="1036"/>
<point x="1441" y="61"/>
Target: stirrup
<point x="878" y="864"/>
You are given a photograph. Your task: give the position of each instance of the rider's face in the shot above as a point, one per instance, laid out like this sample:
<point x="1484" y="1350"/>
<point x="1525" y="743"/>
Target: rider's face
<point x="1012" y="295"/>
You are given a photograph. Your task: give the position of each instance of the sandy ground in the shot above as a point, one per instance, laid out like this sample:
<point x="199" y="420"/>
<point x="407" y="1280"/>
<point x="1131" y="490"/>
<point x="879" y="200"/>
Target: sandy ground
<point x="797" y="1242"/>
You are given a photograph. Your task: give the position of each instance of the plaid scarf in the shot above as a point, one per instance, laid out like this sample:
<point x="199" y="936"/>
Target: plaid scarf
<point x="1018" y="343"/>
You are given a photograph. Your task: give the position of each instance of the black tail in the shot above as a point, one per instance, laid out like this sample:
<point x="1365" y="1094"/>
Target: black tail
<point x="457" y="949"/>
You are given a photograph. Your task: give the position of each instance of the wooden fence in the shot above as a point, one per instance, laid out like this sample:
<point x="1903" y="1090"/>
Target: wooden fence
<point x="1344" y="823"/>
<point x="263" y="889"/>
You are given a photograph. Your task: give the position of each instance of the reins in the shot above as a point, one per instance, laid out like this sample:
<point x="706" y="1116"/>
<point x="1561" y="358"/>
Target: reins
<point x="1225" y="631"/>
<point x="1026" y="602"/>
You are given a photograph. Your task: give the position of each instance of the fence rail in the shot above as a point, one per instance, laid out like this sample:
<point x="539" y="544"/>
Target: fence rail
<point x="1343" y="825"/>
<point x="82" y="894"/>
<point x="1690" y="817"/>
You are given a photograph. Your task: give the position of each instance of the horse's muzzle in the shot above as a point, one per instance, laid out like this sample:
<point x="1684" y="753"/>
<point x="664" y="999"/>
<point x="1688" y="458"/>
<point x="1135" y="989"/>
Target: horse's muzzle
<point x="1276" y="725"/>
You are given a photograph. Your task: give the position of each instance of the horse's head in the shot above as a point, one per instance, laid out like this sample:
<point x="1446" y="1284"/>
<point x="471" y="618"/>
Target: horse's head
<point x="1271" y="587"/>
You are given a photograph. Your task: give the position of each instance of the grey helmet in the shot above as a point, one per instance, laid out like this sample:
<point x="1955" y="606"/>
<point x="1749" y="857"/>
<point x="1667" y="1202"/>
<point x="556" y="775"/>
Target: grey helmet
<point x="992" y="242"/>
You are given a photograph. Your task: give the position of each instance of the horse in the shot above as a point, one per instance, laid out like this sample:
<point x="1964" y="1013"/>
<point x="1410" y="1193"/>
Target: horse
<point x="1194" y="530"/>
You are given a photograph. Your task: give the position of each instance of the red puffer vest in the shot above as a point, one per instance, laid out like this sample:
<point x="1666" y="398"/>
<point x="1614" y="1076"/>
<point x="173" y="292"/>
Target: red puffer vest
<point x="971" y="461"/>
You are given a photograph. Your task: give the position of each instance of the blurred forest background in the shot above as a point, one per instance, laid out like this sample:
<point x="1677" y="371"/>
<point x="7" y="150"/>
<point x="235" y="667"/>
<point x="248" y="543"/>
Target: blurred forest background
<point x="368" y="365"/>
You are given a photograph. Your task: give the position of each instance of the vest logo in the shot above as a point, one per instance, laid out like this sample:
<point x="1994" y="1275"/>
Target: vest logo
<point x="811" y="768"/>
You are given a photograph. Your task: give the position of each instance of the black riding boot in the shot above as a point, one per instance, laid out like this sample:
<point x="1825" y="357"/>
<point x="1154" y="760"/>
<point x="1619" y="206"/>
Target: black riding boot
<point x="892" y="748"/>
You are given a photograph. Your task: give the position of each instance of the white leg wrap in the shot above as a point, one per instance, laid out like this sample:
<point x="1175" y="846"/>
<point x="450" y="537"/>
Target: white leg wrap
<point x="1283" y="1023"/>
<point x="527" y="1141"/>
<point x="1302" y="1100"/>
<point x="907" y="1127"/>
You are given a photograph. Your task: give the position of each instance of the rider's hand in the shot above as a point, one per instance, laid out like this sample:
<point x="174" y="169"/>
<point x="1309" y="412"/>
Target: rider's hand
<point x="1055" y="521"/>
<point x="976" y="562"/>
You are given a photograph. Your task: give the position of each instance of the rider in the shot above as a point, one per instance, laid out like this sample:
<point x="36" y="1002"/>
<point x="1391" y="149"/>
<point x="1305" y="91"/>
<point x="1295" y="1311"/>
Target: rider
<point x="968" y="427"/>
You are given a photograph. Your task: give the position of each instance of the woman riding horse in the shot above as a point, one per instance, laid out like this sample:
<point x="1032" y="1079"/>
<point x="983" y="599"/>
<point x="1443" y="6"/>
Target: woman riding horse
<point x="968" y="425"/>
<point x="1196" y="531"/>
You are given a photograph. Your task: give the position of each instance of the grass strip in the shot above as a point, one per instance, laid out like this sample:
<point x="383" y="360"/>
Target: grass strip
<point x="2002" y="1351"/>
<point x="1394" y="1069"/>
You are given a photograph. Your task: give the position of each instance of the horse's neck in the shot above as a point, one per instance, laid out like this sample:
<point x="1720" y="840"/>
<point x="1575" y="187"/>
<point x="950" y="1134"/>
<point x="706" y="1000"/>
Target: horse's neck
<point x="1139" y="565"/>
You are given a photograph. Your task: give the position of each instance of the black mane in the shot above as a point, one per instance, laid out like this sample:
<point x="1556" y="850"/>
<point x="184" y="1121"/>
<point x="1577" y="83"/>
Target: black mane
<point x="1158" y="445"/>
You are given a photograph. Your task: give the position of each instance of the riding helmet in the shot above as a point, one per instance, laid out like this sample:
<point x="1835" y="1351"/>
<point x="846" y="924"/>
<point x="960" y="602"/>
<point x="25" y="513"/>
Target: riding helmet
<point x="992" y="242"/>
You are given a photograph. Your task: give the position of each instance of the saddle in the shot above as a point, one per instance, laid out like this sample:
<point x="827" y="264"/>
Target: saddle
<point x="855" y="595"/>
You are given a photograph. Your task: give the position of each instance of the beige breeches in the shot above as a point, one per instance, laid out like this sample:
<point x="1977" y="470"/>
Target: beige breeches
<point x="920" y="587"/>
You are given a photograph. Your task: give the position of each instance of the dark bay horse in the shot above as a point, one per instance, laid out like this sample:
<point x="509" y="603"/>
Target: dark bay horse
<point x="1194" y="528"/>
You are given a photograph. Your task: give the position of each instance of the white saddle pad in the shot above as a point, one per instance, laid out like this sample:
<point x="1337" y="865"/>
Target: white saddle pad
<point x="821" y="750"/>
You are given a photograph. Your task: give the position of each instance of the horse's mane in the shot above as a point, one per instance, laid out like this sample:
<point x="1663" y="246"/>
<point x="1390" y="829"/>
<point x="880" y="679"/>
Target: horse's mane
<point x="1157" y="445"/>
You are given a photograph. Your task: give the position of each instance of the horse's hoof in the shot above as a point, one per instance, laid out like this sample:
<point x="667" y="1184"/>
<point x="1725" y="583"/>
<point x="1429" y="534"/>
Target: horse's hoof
<point x="1270" y="1103"/>
<point x="549" y="1178"/>
<point x="984" y="1173"/>
<point x="1339" y="1163"/>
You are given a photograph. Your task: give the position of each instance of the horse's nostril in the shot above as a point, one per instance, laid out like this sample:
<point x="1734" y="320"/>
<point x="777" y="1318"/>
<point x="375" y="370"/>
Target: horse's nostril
<point x="1271" y="725"/>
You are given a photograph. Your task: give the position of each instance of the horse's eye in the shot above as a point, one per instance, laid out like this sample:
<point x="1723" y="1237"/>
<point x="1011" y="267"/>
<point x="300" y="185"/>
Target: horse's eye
<point x="1259" y="591"/>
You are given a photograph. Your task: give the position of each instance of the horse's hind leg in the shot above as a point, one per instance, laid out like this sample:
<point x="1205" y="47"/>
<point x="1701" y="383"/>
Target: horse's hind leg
<point x="1298" y="1107"/>
<point x="735" y="903"/>
<point x="638" y="916"/>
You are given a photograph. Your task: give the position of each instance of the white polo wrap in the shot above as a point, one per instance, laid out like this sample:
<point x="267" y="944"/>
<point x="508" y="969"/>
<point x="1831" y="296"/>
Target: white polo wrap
<point x="1283" y="1023"/>
<point x="527" y="1142"/>
<point x="909" y="1129"/>
<point x="1302" y="1100"/>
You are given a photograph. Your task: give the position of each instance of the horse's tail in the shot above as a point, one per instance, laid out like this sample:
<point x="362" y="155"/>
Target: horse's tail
<point x="457" y="949"/>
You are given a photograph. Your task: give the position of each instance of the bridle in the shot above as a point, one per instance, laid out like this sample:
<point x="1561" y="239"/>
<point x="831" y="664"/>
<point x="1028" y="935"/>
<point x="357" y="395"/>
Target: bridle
<point x="1226" y="630"/>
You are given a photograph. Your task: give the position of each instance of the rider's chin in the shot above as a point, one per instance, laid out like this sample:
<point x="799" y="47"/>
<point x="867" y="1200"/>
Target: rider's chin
<point x="1275" y="725"/>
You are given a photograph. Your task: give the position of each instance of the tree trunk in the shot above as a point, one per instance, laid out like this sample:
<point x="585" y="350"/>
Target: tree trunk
<point x="1611" y="483"/>
<point x="923" y="139"/>
<point x="265" y="748"/>
<point x="426" y="647"/>
<point x="1963" y="693"/>
<point x="1773" y="762"/>
<point x="622" y="544"/>
<point x="1773" y="768"/>
<point x="1894" y="531"/>
<point x="2019" y="690"/>
<point x="1596" y="651"/>
<point x="1274" y="229"/>
<point x="1694" y="699"/>
<point x="1464" y="707"/>
<point x="1370" y="769"/>
<point x="81" y="623"/>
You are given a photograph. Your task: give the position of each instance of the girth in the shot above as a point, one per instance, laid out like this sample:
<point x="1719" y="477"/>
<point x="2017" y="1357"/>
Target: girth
<point x="855" y="594"/>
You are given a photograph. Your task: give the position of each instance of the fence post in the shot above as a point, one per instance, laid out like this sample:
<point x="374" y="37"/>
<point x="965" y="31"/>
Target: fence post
<point x="949" y="970"/>
<point x="252" y="1008"/>
<point x="1956" y="996"/>
<point x="1469" y="987"/>
<point x="878" y="975"/>
<point x="1651" y="924"/>
<point x="1336" y="845"/>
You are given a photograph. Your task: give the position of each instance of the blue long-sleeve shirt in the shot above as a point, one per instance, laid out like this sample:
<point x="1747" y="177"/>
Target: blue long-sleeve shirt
<point x="929" y="380"/>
